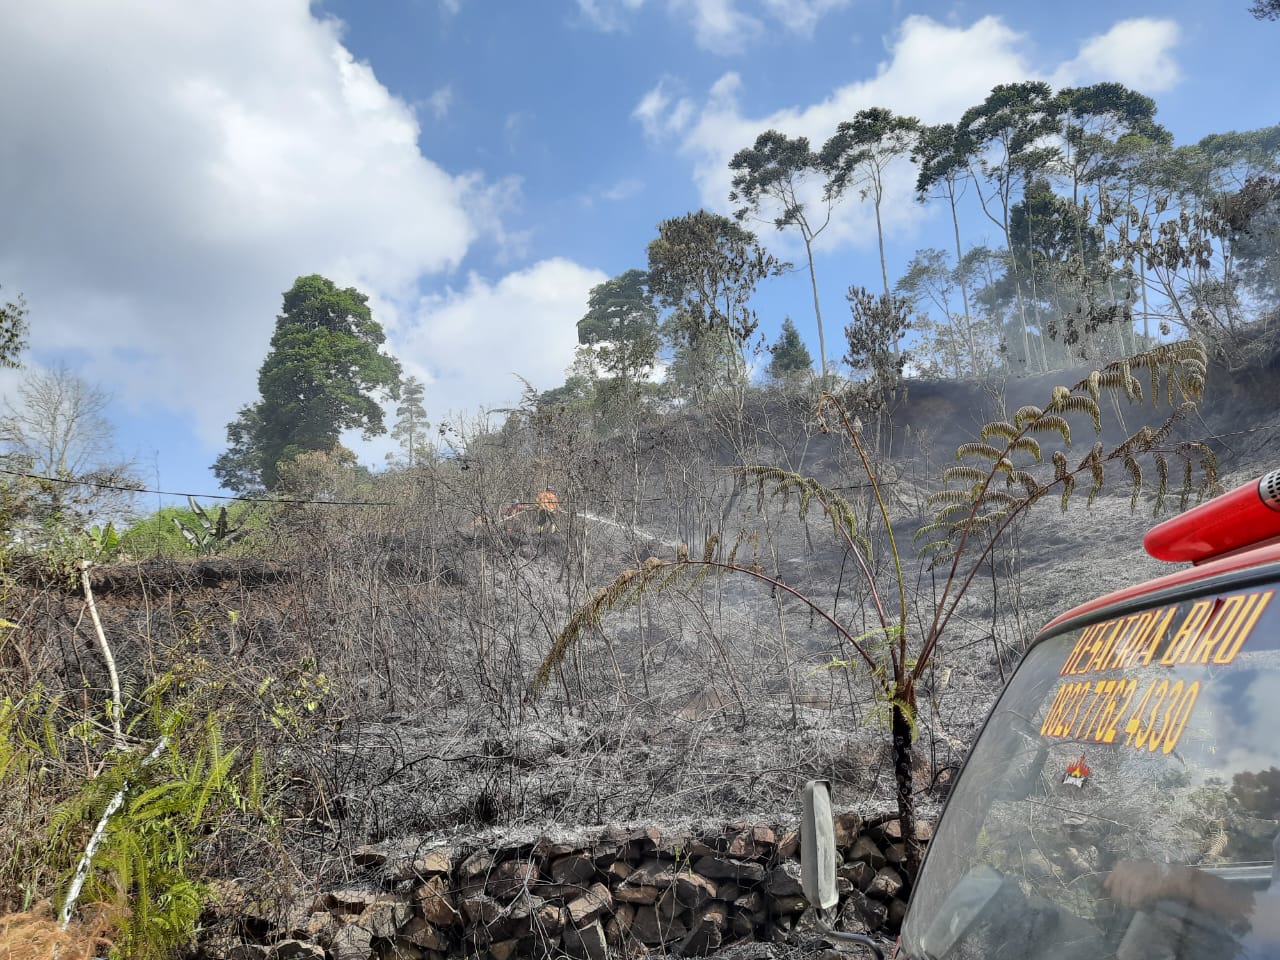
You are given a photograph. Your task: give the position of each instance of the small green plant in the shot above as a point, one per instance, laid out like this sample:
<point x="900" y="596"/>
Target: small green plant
<point x="152" y="810"/>
<point x="103" y="543"/>
<point x="290" y="700"/>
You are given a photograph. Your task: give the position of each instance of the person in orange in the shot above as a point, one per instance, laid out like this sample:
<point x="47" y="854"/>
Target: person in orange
<point x="548" y="503"/>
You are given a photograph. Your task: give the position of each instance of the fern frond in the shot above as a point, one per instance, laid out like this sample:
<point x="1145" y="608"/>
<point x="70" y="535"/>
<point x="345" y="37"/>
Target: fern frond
<point x="1135" y="474"/>
<point x="1162" y="482"/>
<point x="948" y="496"/>
<point x="1051" y="421"/>
<point x="1027" y="415"/>
<point x="1092" y="383"/>
<point x="1008" y="501"/>
<point x="968" y="474"/>
<point x="709" y="551"/>
<point x="931" y="528"/>
<point x="733" y="550"/>
<point x="1029" y="483"/>
<point x="999" y="428"/>
<point x="937" y="547"/>
<point x="807" y="489"/>
<point x="975" y="449"/>
<point x="952" y="509"/>
<point x="1068" y="487"/>
<point x="1026" y="445"/>
<point x="1074" y="403"/>
<point x="1093" y="462"/>
<point x="622" y="591"/>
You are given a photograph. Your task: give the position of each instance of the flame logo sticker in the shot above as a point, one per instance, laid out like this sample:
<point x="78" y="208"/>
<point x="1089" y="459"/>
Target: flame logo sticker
<point x="1077" y="773"/>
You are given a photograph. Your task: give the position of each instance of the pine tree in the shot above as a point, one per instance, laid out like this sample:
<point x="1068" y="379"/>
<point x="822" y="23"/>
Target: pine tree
<point x="791" y="360"/>
<point x="411" y="422"/>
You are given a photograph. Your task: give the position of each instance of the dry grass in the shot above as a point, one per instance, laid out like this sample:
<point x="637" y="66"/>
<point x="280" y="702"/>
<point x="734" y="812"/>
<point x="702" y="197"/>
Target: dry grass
<point x="35" y="935"/>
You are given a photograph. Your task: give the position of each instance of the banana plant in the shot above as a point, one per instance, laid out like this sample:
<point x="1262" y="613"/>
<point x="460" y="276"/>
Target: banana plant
<point x="205" y="533"/>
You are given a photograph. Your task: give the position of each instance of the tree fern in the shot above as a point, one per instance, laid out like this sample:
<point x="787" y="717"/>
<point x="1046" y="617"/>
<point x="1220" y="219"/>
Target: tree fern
<point x="994" y="480"/>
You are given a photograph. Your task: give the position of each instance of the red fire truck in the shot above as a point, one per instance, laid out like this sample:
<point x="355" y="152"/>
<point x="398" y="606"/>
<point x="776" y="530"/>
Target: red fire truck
<point x="1123" y="798"/>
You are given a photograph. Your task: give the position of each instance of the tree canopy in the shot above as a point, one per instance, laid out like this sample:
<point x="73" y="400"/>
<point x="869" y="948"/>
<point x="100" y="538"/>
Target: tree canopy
<point x="324" y="374"/>
<point x="410" y="428"/>
<point x="774" y="172"/>
<point x="707" y="266"/>
<point x="621" y="323"/>
<point x="791" y="358"/>
<point x="13" y="331"/>
<point x="55" y="431"/>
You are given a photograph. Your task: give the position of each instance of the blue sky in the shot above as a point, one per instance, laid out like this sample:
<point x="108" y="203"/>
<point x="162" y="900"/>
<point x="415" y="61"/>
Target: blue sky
<point x="166" y="170"/>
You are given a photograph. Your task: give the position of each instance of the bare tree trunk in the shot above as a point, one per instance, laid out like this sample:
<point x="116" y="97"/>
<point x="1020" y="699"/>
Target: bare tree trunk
<point x="817" y="308"/>
<point x="964" y="287"/>
<point x="116" y="707"/>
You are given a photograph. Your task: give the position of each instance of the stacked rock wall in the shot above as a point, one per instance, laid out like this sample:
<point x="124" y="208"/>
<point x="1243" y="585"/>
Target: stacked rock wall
<point x="619" y="893"/>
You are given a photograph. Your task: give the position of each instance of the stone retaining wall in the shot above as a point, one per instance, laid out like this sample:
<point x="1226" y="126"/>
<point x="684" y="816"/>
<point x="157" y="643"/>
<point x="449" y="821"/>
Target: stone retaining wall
<point x="619" y="893"/>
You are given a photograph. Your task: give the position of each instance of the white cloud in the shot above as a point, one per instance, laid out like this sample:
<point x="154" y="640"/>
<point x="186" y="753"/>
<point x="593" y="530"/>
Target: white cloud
<point x="719" y="26"/>
<point x="468" y="345"/>
<point x="488" y="204"/>
<point x="1137" y="53"/>
<point x="161" y="190"/>
<point x="933" y="71"/>
<point x="660" y="115"/>
<point x="801" y="16"/>
<point x="440" y="101"/>
<point x="622" y="190"/>
<point x="608" y="15"/>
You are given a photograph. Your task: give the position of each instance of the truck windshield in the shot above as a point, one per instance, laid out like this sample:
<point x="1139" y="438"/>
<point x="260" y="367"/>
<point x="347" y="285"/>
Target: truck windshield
<point x="1124" y="798"/>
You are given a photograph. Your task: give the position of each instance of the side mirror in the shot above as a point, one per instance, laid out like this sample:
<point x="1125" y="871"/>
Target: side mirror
<point x="818" y="860"/>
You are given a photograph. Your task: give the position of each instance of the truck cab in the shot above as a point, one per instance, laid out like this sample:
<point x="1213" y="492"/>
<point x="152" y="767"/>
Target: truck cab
<point x="1123" y="797"/>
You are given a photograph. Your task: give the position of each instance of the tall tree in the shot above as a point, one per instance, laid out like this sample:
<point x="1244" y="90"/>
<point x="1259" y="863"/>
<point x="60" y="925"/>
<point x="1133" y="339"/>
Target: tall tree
<point x="621" y="324"/>
<point x="942" y="158"/>
<point x="324" y="374"/>
<point x="1266" y="9"/>
<point x="1008" y="132"/>
<point x="773" y="173"/>
<point x="948" y="343"/>
<point x="704" y="268"/>
<point x="13" y="331"/>
<point x="1253" y="219"/>
<point x="1094" y="119"/>
<point x="859" y="156"/>
<point x="410" y="428"/>
<point x="790" y="357"/>
<point x="57" y="433"/>
<point x="875" y="335"/>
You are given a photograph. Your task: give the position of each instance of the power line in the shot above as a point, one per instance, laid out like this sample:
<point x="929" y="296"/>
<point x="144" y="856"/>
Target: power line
<point x="125" y="488"/>
<point x="298" y="501"/>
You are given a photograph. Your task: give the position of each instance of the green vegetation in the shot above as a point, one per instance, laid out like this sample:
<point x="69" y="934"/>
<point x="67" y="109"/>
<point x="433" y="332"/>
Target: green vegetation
<point x="322" y="376"/>
<point x="191" y="530"/>
<point x="791" y="359"/>
<point x="410" y="429"/>
<point x="13" y="332"/>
